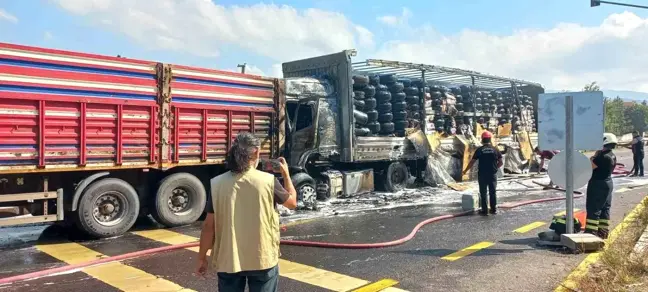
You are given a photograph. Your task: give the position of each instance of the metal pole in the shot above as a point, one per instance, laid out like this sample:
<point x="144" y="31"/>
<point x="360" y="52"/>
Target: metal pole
<point x="242" y="66"/>
<point x="622" y="4"/>
<point x="569" y="187"/>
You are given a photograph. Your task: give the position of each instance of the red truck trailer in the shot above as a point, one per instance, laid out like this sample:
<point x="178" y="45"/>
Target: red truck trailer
<point x="103" y="140"/>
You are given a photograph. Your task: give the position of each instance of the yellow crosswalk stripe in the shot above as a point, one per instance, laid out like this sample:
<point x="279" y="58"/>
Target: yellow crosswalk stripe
<point x="468" y="251"/>
<point x="377" y="286"/>
<point x="529" y="227"/>
<point x="295" y="271"/>
<point x="116" y="274"/>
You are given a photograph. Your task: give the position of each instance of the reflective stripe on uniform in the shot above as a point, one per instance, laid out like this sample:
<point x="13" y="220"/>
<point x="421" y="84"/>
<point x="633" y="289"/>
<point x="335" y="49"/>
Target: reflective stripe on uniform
<point x="592" y="221"/>
<point x="561" y="221"/>
<point x="591" y="227"/>
<point x="604" y="222"/>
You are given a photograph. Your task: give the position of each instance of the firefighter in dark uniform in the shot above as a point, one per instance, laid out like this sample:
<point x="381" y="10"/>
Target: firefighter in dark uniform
<point x="490" y="160"/>
<point x="600" y="187"/>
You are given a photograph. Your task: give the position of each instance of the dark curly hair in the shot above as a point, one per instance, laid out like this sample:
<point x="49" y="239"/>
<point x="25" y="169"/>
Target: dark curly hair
<point x="240" y="155"/>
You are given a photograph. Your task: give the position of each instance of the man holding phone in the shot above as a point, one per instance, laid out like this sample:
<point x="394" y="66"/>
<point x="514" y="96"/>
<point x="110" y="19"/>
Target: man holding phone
<point x="242" y="224"/>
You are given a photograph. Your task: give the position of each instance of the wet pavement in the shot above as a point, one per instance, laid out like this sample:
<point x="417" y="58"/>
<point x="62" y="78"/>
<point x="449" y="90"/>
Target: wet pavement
<point x="470" y="253"/>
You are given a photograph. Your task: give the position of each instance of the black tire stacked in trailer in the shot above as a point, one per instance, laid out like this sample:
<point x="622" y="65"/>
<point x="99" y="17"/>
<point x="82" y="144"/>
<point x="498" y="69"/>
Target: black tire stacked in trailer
<point x="360" y="85"/>
<point x="371" y="104"/>
<point x="384" y="108"/>
<point x="437" y="96"/>
<point x="398" y="106"/>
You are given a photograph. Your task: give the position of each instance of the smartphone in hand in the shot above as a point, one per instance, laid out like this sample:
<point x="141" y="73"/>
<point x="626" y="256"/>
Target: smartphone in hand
<point x="271" y="165"/>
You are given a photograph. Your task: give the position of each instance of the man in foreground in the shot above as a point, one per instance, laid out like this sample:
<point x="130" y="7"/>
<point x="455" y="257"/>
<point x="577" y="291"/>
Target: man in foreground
<point x="490" y="160"/>
<point x="242" y="224"/>
<point x="600" y="187"/>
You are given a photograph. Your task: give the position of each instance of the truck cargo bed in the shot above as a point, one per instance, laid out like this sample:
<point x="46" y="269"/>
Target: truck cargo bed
<point x="62" y="111"/>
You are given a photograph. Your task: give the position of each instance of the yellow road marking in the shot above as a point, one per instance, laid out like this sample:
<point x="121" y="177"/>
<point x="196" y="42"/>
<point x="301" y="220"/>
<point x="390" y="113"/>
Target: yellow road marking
<point x="468" y="251"/>
<point x="116" y="274"/>
<point x="561" y="213"/>
<point x="622" y="190"/>
<point x="570" y="283"/>
<point x="529" y="227"/>
<point x="377" y="286"/>
<point x="295" y="271"/>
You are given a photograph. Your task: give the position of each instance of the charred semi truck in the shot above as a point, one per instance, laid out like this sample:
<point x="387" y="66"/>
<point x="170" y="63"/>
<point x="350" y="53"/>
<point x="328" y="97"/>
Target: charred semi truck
<point x="100" y="141"/>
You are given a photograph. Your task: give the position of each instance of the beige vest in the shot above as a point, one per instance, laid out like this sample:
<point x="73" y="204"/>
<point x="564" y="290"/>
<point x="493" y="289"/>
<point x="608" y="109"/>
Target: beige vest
<point x="247" y="223"/>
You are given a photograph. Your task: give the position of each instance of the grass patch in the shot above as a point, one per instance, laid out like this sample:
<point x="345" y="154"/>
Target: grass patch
<point x="616" y="270"/>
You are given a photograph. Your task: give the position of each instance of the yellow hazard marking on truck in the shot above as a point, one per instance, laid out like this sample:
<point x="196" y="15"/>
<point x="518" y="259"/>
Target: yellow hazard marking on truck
<point x="468" y="251"/>
<point x="295" y="271"/>
<point x="377" y="286"/>
<point x="116" y="274"/>
<point x="529" y="227"/>
<point x="571" y="282"/>
<point x="562" y="213"/>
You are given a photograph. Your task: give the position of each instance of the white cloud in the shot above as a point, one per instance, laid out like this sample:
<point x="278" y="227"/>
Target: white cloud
<point x="48" y="36"/>
<point x="204" y="28"/>
<point x="395" y="20"/>
<point x="6" y="16"/>
<point x="567" y="56"/>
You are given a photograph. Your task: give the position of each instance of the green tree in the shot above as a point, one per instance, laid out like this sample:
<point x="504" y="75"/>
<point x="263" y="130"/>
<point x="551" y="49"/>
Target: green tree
<point x="592" y="87"/>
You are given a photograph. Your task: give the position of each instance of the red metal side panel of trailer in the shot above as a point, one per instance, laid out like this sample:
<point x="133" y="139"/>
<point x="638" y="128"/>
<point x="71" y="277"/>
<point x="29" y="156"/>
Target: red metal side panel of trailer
<point x="63" y="111"/>
<point x="210" y="107"/>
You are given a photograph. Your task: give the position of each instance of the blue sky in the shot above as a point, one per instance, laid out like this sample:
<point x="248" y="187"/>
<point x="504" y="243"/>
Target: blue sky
<point x="49" y="24"/>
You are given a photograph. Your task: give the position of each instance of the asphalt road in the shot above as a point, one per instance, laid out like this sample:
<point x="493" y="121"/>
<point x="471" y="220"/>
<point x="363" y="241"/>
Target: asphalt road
<point x="470" y="253"/>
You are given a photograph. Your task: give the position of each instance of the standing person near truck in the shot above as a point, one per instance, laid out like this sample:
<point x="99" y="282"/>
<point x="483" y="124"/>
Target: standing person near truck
<point x="490" y="160"/>
<point x="242" y="224"/>
<point x="545" y="155"/>
<point x="600" y="187"/>
<point x="637" y="147"/>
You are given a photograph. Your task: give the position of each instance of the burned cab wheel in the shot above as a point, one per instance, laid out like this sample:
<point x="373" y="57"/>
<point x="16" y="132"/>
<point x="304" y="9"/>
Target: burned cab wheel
<point x="180" y="200"/>
<point x="306" y="189"/>
<point x="108" y="207"/>
<point x="395" y="177"/>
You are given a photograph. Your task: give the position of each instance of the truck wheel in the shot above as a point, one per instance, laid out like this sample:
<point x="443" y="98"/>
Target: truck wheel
<point x="108" y="207"/>
<point x="180" y="200"/>
<point x="395" y="177"/>
<point x="305" y="186"/>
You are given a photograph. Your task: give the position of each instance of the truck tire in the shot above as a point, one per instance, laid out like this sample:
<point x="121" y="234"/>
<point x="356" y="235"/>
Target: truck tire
<point x="360" y="117"/>
<point x="361" y="132"/>
<point x="359" y="94"/>
<point x="400" y="115"/>
<point x="411" y="90"/>
<point x="109" y="207"/>
<point x="413" y="107"/>
<point x="385" y="107"/>
<point x="398" y="97"/>
<point x="374" y="80"/>
<point x="396" y="87"/>
<point x="399" y="106"/>
<point x="374" y="127"/>
<point x="179" y="200"/>
<point x="305" y="187"/>
<point x="383" y="96"/>
<point x="372" y="115"/>
<point x="370" y="91"/>
<point x="400" y="125"/>
<point x="412" y="99"/>
<point x="386" y="117"/>
<point x="406" y="82"/>
<point x="395" y="177"/>
<point x="360" y="81"/>
<point x="387" y="128"/>
<point x="359" y="104"/>
<point x="370" y="104"/>
<point x="388" y="79"/>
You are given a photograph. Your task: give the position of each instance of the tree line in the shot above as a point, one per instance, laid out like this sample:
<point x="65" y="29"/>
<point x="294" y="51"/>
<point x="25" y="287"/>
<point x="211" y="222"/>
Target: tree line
<point x="621" y="118"/>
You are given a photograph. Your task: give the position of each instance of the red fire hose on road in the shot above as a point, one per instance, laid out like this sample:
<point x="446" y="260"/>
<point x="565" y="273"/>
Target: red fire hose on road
<point x="136" y="254"/>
